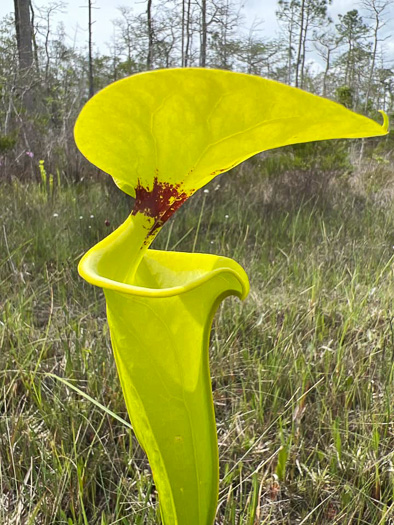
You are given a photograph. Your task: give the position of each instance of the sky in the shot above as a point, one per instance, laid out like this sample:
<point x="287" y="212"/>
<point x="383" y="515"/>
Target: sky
<point x="75" y="16"/>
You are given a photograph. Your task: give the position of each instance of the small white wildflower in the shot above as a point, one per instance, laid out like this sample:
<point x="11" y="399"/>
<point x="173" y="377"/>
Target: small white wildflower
<point x="212" y="242"/>
<point x="80" y="217"/>
<point x="92" y="216"/>
<point x="55" y="215"/>
<point x="206" y="191"/>
<point x="226" y="216"/>
<point x="90" y="227"/>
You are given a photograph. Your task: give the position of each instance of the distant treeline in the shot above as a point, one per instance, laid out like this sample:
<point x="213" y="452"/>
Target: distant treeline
<point x="44" y="82"/>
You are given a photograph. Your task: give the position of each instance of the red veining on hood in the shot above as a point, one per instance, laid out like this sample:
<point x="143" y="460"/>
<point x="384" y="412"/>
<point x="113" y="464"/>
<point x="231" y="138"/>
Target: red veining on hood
<point x="160" y="202"/>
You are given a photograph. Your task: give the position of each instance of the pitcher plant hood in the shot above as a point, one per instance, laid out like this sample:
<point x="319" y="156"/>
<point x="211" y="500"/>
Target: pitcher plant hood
<point x="184" y="126"/>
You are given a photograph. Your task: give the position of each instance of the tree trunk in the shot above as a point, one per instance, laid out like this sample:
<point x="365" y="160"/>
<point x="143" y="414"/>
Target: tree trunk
<point x="24" y="34"/>
<point x="34" y="41"/>
<point x="149" y="60"/>
<point x="187" y="29"/>
<point x="290" y="57"/>
<point x="327" y="69"/>
<point x="203" y="50"/>
<point x="183" y="35"/>
<point x="303" y="55"/>
<point x="91" y="79"/>
<point x="373" y="61"/>
<point x="300" y="44"/>
<point x="290" y="51"/>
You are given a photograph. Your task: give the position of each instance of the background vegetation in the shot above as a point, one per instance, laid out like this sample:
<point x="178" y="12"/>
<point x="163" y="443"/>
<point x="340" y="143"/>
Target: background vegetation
<point x="44" y="83"/>
<point x="302" y="372"/>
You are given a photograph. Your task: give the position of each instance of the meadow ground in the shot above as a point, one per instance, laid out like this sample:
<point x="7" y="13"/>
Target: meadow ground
<point x="302" y="371"/>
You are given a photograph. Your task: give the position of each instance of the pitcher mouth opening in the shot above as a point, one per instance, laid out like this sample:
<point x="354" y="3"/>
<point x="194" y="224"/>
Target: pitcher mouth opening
<point x="161" y="273"/>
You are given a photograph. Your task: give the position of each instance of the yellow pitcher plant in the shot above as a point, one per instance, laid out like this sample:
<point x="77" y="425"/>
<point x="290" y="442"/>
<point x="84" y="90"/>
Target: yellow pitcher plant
<point x="162" y="135"/>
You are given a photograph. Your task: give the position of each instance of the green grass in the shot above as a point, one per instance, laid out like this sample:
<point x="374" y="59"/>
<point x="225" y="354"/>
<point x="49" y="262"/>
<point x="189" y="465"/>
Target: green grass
<point x="302" y="372"/>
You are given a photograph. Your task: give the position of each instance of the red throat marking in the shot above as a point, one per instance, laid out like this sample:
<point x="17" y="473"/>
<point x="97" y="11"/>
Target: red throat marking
<point x="160" y="202"/>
